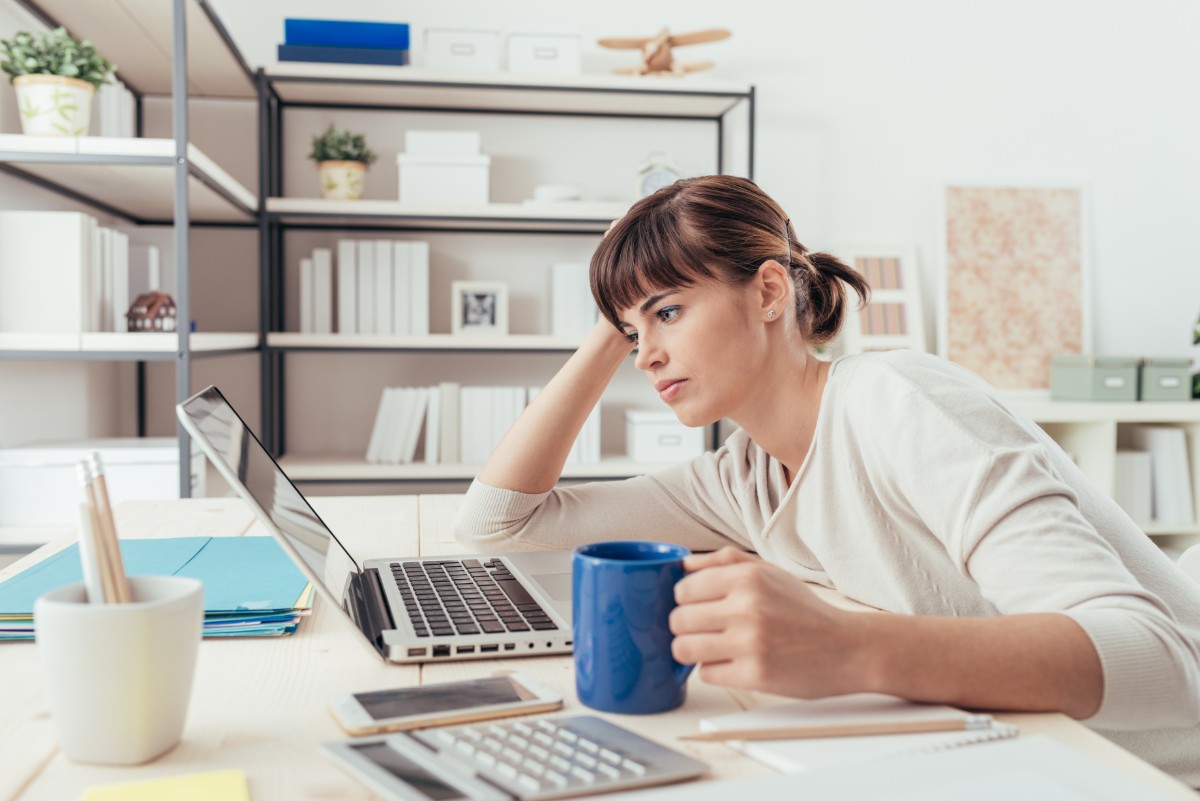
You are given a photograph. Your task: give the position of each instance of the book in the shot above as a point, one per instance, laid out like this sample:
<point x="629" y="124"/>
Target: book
<point x="375" y="443"/>
<point x="402" y="287"/>
<point x="419" y="288"/>
<point x="343" y="55"/>
<point x="322" y="291"/>
<point x="419" y="402"/>
<point x="433" y="426"/>
<point x="307" y="289"/>
<point x="46" y="275"/>
<point x="804" y="755"/>
<point x="347" y="269"/>
<point x="366" y="287"/>
<point x="448" y="448"/>
<point x="384" y="305"/>
<point x="1133" y="485"/>
<point x="1170" y="477"/>
<point x="119" y="276"/>
<point x="345" y="33"/>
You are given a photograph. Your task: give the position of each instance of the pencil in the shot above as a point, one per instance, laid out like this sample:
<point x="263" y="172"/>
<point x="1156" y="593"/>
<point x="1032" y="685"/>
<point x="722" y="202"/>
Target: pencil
<point x="89" y="555"/>
<point x="845" y="729"/>
<point x="108" y="531"/>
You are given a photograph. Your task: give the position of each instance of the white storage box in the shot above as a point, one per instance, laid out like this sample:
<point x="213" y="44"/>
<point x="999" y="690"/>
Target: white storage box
<point x="39" y="485"/>
<point x="453" y="49"/>
<point x="441" y="143"/>
<point x="553" y="54"/>
<point x="660" y="437"/>
<point x="443" y="179"/>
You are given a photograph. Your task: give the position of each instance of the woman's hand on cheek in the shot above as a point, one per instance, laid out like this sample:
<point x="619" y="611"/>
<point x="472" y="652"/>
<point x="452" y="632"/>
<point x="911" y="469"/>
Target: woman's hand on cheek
<point x="754" y="626"/>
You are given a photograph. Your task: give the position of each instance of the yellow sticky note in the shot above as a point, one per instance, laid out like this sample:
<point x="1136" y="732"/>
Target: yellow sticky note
<point x="221" y="785"/>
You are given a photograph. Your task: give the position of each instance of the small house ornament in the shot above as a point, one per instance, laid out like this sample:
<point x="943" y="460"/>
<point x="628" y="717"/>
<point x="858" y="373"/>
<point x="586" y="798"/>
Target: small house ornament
<point x="152" y="311"/>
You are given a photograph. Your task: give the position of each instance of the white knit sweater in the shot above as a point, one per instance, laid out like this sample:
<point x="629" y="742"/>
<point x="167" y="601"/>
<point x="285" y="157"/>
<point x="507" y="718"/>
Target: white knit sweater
<point x="924" y="494"/>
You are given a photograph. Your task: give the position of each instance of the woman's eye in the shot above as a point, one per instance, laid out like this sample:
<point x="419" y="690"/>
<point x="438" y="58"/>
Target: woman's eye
<point x="631" y="337"/>
<point x="668" y="313"/>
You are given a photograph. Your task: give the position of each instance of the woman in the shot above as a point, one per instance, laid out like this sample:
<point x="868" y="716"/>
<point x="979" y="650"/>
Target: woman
<point x="898" y="479"/>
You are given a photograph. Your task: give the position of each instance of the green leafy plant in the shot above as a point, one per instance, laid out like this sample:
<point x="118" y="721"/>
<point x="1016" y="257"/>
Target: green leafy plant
<point x="54" y="53"/>
<point x="340" y="145"/>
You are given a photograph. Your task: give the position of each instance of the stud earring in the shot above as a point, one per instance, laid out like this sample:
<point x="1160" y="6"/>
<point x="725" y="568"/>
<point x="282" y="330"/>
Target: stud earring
<point x="770" y="314"/>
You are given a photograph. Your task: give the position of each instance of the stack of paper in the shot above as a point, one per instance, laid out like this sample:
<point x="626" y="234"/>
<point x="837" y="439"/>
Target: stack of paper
<point x="251" y="587"/>
<point x="1171" y="480"/>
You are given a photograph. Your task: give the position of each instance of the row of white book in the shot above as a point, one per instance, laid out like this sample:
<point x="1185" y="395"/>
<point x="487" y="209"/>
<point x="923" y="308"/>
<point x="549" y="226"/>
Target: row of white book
<point x="382" y="287"/>
<point x="61" y="272"/>
<point x="115" y="110"/>
<point x="1152" y="482"/>
<point x="573" y="310"/>
<point x="459" y="425"/>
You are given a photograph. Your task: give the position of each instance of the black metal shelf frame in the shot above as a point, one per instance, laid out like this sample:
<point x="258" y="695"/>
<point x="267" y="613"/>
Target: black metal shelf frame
<point x="272" y="226"/>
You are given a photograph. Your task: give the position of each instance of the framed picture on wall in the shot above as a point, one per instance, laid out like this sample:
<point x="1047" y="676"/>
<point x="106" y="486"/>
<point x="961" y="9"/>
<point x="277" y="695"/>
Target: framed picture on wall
<point x="478" y="307"/>
<point x="1016" y="283"/>
<point x="893" y="317"/>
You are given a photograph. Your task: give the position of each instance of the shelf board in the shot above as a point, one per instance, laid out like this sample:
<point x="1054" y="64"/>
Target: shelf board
<point x="137" y="35"/>
<point x="432" y="342"/>
<point x="120" y="345"/>
<point x="1171" y="529"/>
<point x="133" y="177"/>
<point x="588" y="216"/>
<point x="689" y="97"/>
<point x="1043" y="410"/>
<point x="354" y="468"/>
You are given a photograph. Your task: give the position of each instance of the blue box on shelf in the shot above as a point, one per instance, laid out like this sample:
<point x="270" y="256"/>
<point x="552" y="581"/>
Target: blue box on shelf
<point x="346" y="33"/>
<point x="343" y="55"/>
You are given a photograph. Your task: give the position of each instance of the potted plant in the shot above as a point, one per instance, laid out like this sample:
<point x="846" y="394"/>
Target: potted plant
<point x="55" y="76"/>
<point x="342" y="160"/>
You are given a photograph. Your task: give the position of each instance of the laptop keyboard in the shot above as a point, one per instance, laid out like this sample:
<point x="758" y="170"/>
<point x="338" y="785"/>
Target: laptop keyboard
<point x="449" y="597"/>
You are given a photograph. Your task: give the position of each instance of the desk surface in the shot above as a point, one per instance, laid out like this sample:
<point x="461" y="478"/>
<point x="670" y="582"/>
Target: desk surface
<point x="260" y="705"/>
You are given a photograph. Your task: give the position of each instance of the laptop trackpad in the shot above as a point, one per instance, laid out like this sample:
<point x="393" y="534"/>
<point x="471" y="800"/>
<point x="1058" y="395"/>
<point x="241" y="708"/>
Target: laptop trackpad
<point x="556" y="585"/>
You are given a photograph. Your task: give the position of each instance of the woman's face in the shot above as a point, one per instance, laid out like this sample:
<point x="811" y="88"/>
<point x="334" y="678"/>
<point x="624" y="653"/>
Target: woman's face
<point x="700" y="346"/>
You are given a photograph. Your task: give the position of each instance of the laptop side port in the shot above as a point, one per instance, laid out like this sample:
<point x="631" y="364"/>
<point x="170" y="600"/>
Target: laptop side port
<point x="488" y="649"/>
<point x="510" y="646"/>
<point x="416" y="651"/>
<point x="441" y="650"/>
<point x="465" y="649"/>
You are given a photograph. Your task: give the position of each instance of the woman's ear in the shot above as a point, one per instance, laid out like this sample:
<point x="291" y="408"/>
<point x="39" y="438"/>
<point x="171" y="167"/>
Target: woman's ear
<point x="773" y="287"/>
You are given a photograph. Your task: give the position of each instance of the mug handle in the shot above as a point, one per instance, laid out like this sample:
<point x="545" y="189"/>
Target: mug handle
<point x="683" y="671"/>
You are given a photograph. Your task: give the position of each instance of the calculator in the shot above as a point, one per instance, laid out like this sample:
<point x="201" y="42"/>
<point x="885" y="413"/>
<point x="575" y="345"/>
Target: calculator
<point x="537" y="759"/>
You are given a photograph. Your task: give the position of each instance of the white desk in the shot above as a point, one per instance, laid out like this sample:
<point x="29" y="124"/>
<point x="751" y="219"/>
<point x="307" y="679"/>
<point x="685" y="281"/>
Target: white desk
<point x="259" y="705"/>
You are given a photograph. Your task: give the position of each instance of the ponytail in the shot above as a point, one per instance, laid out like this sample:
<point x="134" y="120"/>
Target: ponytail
<point x="821" y="280"/>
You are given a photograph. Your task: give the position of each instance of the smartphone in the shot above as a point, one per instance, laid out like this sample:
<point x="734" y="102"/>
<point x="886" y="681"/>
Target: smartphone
<point x="443" y="704"/>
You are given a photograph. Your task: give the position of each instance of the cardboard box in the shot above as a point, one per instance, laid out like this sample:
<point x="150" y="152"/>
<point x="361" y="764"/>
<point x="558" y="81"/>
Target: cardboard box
<point x="443" y="179"/>
<point x="455" y="49"/>
<point x="660" y="437"/>
<point x="1093" y="378"/>
<point x="544" y="54"/>
<point x="39" y="486"/>
<point x="1165" y="380"/>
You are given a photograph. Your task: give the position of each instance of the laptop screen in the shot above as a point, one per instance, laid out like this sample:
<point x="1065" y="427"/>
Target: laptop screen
<point x="229" y="439"/>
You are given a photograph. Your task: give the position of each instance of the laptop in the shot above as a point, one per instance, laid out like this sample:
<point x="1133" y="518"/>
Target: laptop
<point x="410" y="610"/>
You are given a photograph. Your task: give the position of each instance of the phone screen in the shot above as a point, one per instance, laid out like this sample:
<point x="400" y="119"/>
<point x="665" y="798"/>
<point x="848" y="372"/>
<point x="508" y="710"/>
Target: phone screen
<point x="386" y="704"/>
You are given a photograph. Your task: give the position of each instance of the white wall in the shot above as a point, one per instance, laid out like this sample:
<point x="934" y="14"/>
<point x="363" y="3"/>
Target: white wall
<point x="868" y="107"/>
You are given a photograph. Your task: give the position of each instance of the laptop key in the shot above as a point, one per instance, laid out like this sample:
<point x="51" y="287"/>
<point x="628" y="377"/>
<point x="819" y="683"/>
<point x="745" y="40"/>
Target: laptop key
<point x="467" y="629"/>
<point x="547" y="626"/>
<point x="517" y="627"/>
<point x="491" y="627"/>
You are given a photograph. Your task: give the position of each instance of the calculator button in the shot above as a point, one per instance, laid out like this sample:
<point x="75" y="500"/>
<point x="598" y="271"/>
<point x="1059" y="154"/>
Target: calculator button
<point x="586" y="761"/>
<point x="610" y="756"/>
<point x="465" y="747"/>
<point x="534" y="767"/>
<point x="558" y="763"/>
<point x="634" y="767"/>
<point x="585" y="776"/>
<point x="523" y="728"/>
<point x="544" y="739"/>
<point x="513" y="756"/>
<point x="556" y="778"/>
<point x="473" y="735"/>
<point x="609" y="771"/>
<point x="518" y="742"/>
<point x="492" y="745"/>
<point x="564" y="749"/>
<point x="528" y="782"/>
<point x="569" y="736"/>
<point x="537" y="752"/>
<point x="498" y="732"/>
<point x="546" y="725"/>
<point x="485" y="759"/>
<point x="506" y="770"/>
<point x="444" y="737"/>
<point x="588" y="745"/>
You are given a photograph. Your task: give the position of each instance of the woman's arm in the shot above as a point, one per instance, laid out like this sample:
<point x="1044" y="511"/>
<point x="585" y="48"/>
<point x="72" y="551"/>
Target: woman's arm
<point x="753" y="625"/>
<point x="531" y="455"/>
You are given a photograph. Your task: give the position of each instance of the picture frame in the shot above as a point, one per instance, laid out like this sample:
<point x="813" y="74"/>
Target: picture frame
<point x="479" y="307"/>
<point x="894" y="315"/>
<point x="1015" y="279"/>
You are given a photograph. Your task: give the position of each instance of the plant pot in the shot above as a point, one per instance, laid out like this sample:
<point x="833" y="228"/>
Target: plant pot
<point x="342" y="180"/>
<point x="54" y="105"/>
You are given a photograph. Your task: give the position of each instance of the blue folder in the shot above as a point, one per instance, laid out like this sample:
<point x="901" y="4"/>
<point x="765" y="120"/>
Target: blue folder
<point x="343" y="55"/>
<point x="250" y="584"/>
<point x="346" y="33"/>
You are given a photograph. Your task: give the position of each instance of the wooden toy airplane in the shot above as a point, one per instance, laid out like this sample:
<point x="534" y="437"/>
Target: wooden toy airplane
<point x="657" y="58"/>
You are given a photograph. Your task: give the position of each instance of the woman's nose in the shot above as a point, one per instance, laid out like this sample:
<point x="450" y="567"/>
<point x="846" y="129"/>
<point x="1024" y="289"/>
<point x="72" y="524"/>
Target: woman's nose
<point x="648" y="355"/>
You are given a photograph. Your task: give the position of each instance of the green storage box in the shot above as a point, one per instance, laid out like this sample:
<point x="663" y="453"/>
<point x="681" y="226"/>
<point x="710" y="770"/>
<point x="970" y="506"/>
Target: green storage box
<point x="1166" y="380"/>
<point x="1093" y="378"/>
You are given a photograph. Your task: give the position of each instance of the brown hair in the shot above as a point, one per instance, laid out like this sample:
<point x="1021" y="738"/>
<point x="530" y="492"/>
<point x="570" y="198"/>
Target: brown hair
<point x="722" y="228"/>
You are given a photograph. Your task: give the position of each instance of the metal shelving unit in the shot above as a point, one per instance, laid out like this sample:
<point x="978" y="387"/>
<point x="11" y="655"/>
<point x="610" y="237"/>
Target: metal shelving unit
<point x="406" y="89"/>
<point x="144" y="181"/>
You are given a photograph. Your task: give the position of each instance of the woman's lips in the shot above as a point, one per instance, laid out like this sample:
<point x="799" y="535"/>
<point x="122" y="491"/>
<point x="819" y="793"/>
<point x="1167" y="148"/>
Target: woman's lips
<point x="669" y="389"/>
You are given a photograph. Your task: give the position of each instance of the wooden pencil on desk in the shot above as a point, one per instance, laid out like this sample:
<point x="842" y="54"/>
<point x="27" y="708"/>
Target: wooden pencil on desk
<point x="109" y="525"/>
<point x="865" y="729"/>
<point x="97" y="520"/>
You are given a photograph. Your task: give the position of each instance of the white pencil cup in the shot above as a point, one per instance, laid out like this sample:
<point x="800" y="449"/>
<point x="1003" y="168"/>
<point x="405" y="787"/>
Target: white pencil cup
<point x="119" y="676"/>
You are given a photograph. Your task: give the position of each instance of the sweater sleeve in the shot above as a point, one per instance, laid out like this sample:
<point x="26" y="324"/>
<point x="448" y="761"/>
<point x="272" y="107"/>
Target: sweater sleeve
<point x="990" y="491"/>
<point x="687" y="504"/>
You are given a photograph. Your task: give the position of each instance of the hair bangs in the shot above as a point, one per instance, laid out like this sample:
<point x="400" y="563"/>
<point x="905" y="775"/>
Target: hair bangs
<point x="645" y="253"/>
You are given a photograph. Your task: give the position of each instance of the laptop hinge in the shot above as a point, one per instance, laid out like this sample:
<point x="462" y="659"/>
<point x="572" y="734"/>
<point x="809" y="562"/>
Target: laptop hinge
<point x="366" y="604"/>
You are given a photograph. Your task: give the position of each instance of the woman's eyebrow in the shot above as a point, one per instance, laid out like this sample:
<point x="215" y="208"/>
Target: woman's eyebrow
<point x="650" y="301"/>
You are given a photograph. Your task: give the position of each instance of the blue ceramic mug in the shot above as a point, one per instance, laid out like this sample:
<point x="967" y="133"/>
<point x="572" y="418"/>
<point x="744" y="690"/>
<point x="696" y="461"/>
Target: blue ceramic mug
<point x="622" y="595"/>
